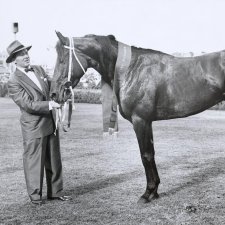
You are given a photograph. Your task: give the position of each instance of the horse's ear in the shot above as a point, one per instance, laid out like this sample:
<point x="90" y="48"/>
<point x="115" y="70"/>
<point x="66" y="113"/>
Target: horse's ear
<point x="61" y="37"/>
<point x="111" y="37"/>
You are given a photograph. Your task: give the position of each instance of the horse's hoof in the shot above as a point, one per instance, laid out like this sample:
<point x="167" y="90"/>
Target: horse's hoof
<point x="143" y="200"/>
<point x="155" y="196"/>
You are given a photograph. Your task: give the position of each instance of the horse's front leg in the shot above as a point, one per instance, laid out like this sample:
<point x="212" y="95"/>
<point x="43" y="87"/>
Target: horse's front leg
<point x="144" y="135"/>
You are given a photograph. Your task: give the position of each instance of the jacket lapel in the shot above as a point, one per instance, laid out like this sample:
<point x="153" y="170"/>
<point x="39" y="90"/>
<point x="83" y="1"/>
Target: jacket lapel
<point x="27" y="80"/>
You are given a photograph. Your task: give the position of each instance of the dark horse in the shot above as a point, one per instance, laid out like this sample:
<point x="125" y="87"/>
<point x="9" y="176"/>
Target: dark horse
<point x="155" y="86"/>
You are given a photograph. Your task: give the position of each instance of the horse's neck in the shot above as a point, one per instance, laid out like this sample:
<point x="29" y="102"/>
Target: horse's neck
<point x="114" y="63"/>
<point x="107" y="61"/>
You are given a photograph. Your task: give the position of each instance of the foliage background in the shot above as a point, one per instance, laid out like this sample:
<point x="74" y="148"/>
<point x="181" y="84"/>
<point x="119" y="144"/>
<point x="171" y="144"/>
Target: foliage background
<point x="88" y="89"/>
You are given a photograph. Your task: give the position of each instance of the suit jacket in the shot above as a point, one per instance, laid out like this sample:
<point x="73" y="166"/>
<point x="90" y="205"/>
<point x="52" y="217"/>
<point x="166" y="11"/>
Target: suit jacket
<point x="36" y="120"/>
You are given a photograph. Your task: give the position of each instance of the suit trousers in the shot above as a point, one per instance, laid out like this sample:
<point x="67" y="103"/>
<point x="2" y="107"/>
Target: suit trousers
<point x="40" y="153"/>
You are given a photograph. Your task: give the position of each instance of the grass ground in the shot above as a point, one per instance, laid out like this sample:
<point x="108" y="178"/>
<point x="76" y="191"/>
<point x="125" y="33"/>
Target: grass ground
<point x="105" y="176"/>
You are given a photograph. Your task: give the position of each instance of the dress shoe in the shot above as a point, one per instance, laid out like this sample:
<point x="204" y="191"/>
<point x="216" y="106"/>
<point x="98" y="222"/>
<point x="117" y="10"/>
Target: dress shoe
<point x="61" y="198"/>
<point x="37" y="202"/>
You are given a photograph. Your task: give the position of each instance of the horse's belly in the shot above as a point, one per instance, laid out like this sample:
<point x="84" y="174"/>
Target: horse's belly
<point x="186" y="99"/>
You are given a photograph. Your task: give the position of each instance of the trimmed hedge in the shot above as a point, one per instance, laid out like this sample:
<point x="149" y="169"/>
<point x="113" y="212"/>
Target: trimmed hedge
<point x="219" y="106"/>
<point x="87" y="96"/>
<point x="92" y="96"/>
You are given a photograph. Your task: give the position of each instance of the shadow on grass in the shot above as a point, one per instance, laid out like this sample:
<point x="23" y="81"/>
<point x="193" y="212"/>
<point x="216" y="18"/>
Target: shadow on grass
<point x="215" y="168"/>
<point x="210" y="169"/>
<point x="104" y="183"/>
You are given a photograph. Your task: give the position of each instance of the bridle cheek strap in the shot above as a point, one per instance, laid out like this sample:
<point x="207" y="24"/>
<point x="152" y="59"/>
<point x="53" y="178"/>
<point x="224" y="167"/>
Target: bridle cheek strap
<point x="72" y="50"/>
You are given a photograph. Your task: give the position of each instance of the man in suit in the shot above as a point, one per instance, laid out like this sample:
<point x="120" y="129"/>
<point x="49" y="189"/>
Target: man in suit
<point x="29" y="89"/>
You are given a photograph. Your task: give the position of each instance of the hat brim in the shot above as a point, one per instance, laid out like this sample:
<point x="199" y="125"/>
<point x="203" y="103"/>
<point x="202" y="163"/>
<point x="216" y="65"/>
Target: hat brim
<point x="10" y="58"/>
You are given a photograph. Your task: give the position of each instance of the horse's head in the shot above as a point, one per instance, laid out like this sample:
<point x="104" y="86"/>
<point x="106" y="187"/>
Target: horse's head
<point x="69" y="71"/>
<point x="89" y="52"/>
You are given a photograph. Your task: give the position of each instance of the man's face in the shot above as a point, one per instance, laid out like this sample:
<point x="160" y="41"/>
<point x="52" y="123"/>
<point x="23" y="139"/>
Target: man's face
<point x="22" y="58"/>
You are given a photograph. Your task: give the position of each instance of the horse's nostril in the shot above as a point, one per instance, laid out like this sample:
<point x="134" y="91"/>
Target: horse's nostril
<point x="53" y="96"/>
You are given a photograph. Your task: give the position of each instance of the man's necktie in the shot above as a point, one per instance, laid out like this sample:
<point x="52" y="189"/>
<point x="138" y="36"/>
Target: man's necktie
<point x="29" y="69"/>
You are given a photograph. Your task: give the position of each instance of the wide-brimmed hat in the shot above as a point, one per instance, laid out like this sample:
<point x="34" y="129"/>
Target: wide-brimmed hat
<point x="13" y="48"/>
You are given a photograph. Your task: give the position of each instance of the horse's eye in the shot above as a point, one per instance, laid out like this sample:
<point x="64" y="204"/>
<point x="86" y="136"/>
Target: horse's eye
<point x="61" y="60"/>
<point x="67" y="84"/>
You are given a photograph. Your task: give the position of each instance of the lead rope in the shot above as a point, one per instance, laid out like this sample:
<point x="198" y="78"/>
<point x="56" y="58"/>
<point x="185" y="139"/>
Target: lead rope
<point x="61" y="112"/>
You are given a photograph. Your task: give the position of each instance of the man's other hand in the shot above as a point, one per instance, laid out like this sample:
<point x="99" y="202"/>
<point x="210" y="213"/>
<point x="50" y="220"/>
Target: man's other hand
<point x="53" y="104"/>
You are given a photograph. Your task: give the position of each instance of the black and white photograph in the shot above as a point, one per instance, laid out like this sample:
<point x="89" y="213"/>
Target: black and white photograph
<point x="112" y="112"/>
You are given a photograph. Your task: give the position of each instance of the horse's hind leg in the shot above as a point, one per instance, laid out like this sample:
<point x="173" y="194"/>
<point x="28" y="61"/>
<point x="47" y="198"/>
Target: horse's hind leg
<point x="144" y="135"/>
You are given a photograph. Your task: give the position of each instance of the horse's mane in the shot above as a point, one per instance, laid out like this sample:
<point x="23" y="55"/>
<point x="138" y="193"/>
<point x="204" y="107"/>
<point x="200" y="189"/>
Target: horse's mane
<point x="112" y="38"/>
<point x="104" y="41"/>
<point x="146" y="50"/>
